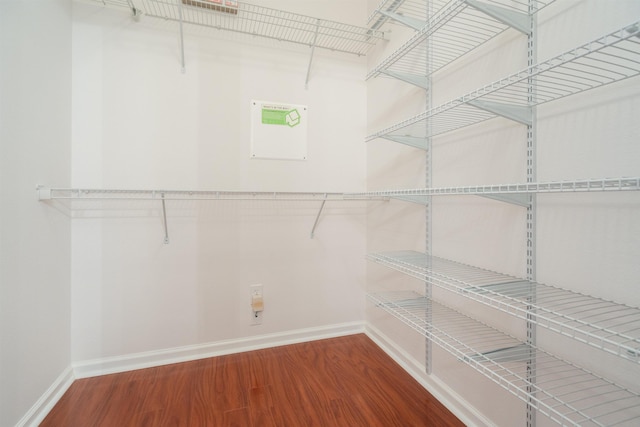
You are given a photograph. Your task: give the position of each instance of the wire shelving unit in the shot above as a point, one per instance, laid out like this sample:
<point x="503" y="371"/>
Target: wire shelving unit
<point x="445" y="31"/>
<point x="608" y="59"/>
<point x="260" y="21"/>
<point x="567" y="394"/>
<point x="256" y="21"/>
<point x="607" y="325"/>
<point x="456" y="28"/>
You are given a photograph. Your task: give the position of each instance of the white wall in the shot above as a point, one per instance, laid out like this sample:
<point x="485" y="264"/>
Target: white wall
<point x="138" y="122"/>
<point x="585" y="242"/>
<point x="35" y="147"/>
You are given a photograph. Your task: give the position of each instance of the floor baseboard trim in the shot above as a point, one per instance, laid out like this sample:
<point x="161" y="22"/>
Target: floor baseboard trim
<point x="41" y="408"/>
<point x="449" y="398"/>
<point x="111" y="365"/>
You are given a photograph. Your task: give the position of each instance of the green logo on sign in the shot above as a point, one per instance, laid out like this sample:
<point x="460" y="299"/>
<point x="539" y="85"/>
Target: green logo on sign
<point x="289" y="118"/>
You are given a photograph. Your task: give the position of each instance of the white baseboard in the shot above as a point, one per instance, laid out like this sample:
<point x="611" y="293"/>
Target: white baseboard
<point x="111" y="365"/>
<point x="41" y="408"/>
<point x="449" y="398"/>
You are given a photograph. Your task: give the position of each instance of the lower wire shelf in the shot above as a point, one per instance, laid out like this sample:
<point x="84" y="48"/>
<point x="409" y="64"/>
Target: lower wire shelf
<point x="562" y="391"/>
<point x="607" y="325"/>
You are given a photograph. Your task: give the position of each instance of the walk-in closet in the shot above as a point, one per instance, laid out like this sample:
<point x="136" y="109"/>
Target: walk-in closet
<point x="452" y="183"/>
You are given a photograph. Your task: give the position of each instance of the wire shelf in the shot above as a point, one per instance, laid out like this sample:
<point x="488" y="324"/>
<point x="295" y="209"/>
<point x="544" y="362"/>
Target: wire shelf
<point x="609" y="59"/>
<point x="607" y="325"/>
<point x="455" y="28"/>
<point x="261" y="21"/>
<point x="45" y="193"/>
<point x="566" y="393"/>
<point x="420" y="195"/>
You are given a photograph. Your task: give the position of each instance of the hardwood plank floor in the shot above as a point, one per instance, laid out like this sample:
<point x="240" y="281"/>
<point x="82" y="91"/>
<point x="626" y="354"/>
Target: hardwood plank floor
<point x="346" y="381"/>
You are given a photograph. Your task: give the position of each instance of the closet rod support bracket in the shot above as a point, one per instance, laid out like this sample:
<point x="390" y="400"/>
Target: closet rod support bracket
<point x="313" y="48"/>
<point x="164" y="217"/>
<point x="315" y="224"/>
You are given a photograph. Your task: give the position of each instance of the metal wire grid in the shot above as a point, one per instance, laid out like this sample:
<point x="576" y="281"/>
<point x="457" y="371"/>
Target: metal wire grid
<point x="609" y="59"/>
<point x="119" y="194"/>
<point x="455" y="29"/>
<point x="268" y="23"/>
<point x="607" y="325"/>
<point x="577" y="186"/>
<point x="567" y="394"/>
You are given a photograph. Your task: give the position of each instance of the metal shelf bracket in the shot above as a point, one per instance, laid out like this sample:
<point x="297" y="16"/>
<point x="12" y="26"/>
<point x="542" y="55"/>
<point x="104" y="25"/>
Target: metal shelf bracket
<point x="410" y="22"/>
<point x="518" y="113"/>
<point x="164" y="217"/>
<point x="514" y="199"/>
<point x="315" y="223"/>
<point x="313" y="48"/>
<point x="420" y="81"/>
<point x="517" y="20"/>
<point x="413" y="141"/>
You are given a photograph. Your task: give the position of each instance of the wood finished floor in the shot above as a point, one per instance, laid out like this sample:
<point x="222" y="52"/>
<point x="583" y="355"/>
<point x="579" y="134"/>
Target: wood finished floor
<point x="346" y="381"/>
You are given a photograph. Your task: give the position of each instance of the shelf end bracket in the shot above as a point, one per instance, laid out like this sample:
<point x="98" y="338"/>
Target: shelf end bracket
<point x="44" y="193"/>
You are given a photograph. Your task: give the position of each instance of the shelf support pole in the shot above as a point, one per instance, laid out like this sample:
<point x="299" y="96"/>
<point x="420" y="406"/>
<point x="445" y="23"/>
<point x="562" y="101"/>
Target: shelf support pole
<point x="164" y="217"/>
<point x="313" y="48"/>
<point x="532" y="175"/>
<point x="315" y="223"/>
<point x="428" y="212"/>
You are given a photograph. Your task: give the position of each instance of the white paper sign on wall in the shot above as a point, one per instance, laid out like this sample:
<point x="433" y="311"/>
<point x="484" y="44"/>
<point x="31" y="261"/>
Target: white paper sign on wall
<point x="278" y="131"/>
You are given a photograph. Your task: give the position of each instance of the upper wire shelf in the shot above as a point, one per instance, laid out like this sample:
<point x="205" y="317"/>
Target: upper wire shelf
<point x="608" y="59"/>
<point x="261" y="21"/>
<point x="564" y="392"/>
<point x="454" y="28"/>
<point x="607" y="325"/>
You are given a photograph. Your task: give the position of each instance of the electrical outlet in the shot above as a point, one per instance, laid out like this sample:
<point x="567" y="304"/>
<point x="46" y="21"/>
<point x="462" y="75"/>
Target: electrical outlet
<point x="256" y="300"/>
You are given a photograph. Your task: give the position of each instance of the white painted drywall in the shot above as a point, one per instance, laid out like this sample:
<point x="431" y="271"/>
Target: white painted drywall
<point x="35" y="253"/>
<point x="139" y="122"/>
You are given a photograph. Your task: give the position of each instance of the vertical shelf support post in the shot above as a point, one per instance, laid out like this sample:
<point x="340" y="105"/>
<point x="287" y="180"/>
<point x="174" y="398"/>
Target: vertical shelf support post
<point x="428" y="184"/>
<point x="531" y="220"/>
